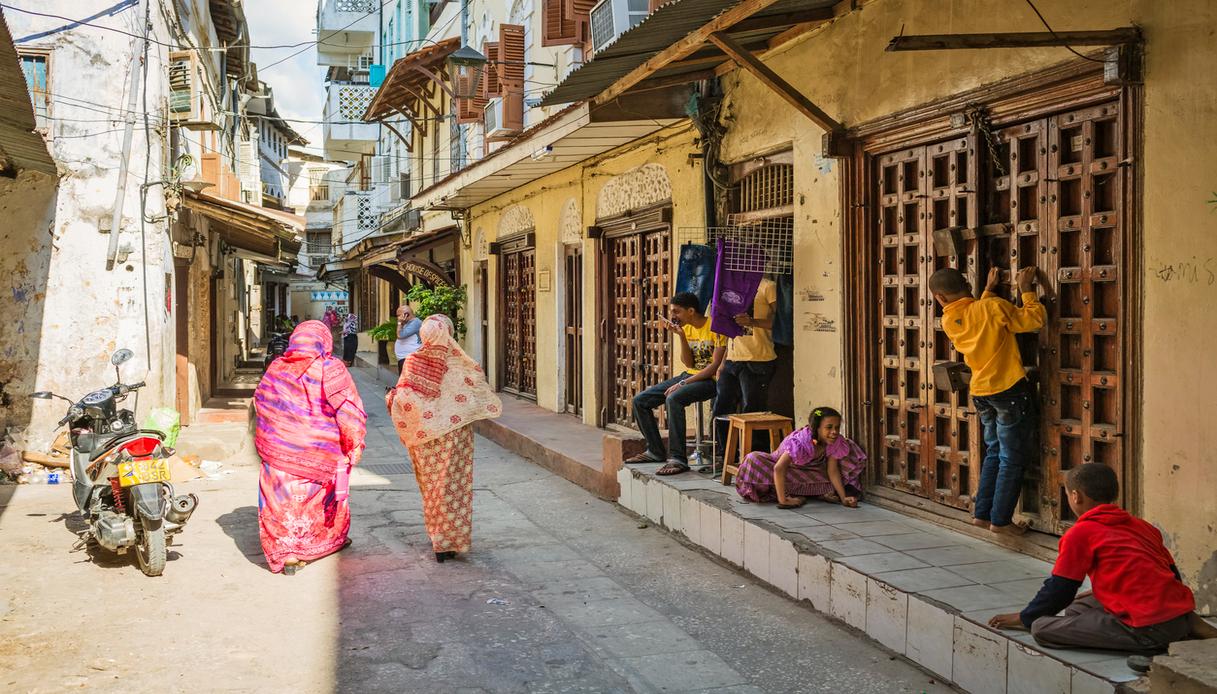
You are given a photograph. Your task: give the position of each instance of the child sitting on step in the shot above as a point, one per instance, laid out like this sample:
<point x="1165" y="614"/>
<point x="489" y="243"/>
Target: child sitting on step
<point x="1139" y="602"/>
<point x="815" y="461"/>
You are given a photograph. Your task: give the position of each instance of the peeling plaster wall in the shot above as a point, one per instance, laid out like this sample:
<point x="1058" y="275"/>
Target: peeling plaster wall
<point x="843" y="68"/>
<point x="548" y="200"/>
<point x="88" y="312"/>
<point x="27" y="206"/>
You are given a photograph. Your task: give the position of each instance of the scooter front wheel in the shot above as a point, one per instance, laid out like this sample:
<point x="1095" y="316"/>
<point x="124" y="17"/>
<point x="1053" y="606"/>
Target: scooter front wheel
<point x="150" y="551"/>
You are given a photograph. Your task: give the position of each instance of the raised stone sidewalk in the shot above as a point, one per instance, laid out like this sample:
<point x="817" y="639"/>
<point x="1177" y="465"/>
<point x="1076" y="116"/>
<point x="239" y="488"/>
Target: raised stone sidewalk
<point x="921" y="590"/>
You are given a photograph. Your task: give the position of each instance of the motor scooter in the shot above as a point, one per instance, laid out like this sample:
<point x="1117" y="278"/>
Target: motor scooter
<point x="120" y="475"/>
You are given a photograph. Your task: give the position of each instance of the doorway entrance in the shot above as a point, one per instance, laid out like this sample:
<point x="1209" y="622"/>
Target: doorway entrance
<point x="1052" y="189"/>
<point x="518" y="315"/>
<point x="572" y="329"/>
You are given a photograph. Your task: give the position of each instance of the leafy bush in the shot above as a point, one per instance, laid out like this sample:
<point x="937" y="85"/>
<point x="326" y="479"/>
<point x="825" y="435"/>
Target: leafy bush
<point x="449" y="301"/>
<point x="385" y="332"/>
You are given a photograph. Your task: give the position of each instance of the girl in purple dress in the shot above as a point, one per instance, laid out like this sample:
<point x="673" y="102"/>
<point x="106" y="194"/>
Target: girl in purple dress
<point x="815" y="461"/>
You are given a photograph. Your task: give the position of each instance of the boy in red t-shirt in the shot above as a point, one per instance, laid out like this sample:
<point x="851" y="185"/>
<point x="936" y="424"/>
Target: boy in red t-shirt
<point x="1139" y="603"/>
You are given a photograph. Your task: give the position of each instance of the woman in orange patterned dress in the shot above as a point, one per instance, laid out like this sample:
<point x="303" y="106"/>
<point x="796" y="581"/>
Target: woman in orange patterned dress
<point x="441" y="392"/>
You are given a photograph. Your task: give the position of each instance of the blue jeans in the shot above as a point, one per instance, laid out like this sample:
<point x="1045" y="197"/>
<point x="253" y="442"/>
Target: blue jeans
<point x="644" y="414"/>
<point x="1009" y="420"/>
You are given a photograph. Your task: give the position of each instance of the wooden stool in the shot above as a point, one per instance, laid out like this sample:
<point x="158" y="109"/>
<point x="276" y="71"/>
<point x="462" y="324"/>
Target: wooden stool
<point x="740" y="430"/>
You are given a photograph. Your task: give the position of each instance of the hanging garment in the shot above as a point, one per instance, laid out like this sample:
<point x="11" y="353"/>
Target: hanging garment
<point x="734" y="289"/>
<point x="783" y="320"/>
<point x="695" y="273"/>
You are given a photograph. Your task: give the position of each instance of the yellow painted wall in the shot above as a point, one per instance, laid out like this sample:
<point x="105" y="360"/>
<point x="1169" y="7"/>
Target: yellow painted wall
<point x="844" y="69"/>
<point x="545" y="199"/>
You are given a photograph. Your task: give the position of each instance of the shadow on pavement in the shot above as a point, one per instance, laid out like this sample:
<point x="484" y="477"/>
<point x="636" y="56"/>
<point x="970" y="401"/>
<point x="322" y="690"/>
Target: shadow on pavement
<point x="241" y="524"/>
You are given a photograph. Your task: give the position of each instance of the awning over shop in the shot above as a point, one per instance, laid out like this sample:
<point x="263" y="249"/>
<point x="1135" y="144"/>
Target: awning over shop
<point x="259" y="230"/>
<point x="410" y="86"/>
<point x="566" y="138"/>
<point x="21" y="147"/>
<point x="691" y="40"/>
<point x="336" y="270"/>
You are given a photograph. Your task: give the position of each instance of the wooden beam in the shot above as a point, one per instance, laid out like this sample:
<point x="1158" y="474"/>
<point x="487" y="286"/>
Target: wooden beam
<point x="393" y="129"/>
<point x="684" y="47"/>
<point x="1024" y="39"/>
<point x="436" y="79"/>
<point x="771" y="79"/>
<point x="785" y="19"/>
<point x="793" y="33"/>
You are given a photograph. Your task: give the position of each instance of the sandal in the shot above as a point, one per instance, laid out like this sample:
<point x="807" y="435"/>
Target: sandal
<point x="674" y="467"/>
<point x="644" y="457"/>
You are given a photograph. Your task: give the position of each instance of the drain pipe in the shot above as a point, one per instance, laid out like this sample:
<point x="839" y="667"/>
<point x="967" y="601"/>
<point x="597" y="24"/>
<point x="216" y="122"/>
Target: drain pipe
<point x="116" y="216"/>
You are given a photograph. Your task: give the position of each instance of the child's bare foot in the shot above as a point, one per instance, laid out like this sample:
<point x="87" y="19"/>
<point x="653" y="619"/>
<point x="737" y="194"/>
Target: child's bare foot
<point x="980" y="523"/>
<point x="791" y="502"/>
<point x="1014" y="528"/>
<point x="831" y="498"/>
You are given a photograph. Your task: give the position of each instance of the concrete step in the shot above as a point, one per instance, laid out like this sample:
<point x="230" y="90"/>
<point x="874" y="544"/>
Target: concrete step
<point x="921" y="590"/>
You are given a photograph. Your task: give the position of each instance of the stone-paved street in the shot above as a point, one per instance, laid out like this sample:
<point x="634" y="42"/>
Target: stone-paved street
<point x="562" y="593"/>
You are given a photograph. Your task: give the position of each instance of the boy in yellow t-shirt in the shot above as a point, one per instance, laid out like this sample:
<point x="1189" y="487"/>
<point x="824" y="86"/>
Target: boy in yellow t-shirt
<point x="701" y="351"/>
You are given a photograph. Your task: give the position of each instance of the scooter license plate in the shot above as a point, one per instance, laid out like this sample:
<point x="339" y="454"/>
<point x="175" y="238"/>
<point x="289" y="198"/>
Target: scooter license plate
<point x="133" y="472"/>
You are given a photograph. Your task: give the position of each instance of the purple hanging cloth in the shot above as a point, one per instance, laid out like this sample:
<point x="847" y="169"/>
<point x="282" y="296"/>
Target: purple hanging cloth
<point x="734" y="291"/>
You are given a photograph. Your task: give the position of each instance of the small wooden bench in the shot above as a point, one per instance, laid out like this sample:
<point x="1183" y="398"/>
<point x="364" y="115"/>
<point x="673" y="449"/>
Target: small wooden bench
<point x="740" y="429"/>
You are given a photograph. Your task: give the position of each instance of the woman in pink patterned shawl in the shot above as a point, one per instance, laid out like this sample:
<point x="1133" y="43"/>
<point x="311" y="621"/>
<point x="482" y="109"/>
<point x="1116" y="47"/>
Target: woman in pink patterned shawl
<point x="442" y="392"/>
<point x="815" y="461"/>
<point x="311" y="426"/>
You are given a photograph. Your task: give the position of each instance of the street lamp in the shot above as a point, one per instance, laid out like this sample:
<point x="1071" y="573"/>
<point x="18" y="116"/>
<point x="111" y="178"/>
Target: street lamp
<point x="465" y="66"/>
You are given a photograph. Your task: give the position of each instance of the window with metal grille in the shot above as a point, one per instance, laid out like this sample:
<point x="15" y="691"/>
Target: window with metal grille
<point x="767" y="188"/>
<point x="320" y="192"/>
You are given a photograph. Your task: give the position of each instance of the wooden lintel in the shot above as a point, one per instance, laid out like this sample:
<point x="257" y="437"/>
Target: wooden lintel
<point x="684" y="47"/>
<point x="404" y="140"/>
<point x="1027" y="39"/>
<point x="771" y="79"/>
<point x="673" y="80"/>
<point x="438" y="79"/>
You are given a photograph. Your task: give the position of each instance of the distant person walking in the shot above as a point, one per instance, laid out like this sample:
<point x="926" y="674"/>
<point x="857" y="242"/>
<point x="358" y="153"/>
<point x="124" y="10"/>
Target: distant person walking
<point x="310" y="431"/>
<point x="983" y="331"/>
<point x="408" y="341"/>
<point x="440" y="393"/>
<point x="350" y="339"/>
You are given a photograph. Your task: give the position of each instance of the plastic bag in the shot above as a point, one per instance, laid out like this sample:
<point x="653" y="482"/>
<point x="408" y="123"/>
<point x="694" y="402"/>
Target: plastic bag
<point x="167" y="421"/>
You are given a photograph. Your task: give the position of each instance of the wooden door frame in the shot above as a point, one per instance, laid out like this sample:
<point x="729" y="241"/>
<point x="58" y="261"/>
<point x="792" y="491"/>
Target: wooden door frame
<point x="571" y="306"/>
<point x="1068" y="86"/>
<point x="651" y="219"/>
<point x="181" y="287"/>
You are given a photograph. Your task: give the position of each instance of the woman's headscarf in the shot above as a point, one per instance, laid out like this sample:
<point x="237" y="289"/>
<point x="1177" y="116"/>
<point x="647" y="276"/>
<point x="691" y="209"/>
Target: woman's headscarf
<point x="441" y="388"/>
<point x="310" y="415"/>
<point x="350" y="326"/>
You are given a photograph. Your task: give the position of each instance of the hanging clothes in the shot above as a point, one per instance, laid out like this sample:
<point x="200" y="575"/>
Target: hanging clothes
<point x="783" y="320"/>
<point x="695" y="273"/>
<point x="734" y="288"/>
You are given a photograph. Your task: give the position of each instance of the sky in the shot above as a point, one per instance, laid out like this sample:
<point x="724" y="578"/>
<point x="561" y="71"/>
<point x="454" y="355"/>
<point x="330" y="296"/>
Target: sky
<point x="297" y="83"/>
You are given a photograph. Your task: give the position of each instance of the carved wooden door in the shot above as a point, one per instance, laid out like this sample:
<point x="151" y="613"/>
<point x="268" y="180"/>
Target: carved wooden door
<point x="519" y="325"/>
<point x="927" y="446"/>
<point x="636" y="294"/>
<point x="572" y="334"/>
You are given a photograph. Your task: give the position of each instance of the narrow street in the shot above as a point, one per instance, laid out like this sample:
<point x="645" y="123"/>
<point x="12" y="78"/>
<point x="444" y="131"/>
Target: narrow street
<point x="562" y="593"/>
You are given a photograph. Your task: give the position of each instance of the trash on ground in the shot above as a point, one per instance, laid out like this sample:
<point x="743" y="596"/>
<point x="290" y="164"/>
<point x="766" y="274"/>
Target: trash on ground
<point x="497" y="601"/>
<point x="212" y="468"/>
<point x="167" y="421"/>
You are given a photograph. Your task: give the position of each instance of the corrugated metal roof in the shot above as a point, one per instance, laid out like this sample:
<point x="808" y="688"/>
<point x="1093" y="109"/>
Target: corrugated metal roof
<point x="662" y="28"/>
<point x="20" y="146"/>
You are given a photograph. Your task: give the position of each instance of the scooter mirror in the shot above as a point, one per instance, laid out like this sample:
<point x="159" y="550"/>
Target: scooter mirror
<point x="121" y="356"/>
<point x="42" y="395"/>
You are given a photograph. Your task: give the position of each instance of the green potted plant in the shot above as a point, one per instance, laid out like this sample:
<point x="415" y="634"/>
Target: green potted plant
<point x="384" y="333"/>
<point x="444" y="299"/>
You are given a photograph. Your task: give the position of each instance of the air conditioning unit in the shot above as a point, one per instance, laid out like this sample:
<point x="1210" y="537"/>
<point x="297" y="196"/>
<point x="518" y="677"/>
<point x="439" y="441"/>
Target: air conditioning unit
<point x="612" y="18"/>
<point x="494" y="119"/>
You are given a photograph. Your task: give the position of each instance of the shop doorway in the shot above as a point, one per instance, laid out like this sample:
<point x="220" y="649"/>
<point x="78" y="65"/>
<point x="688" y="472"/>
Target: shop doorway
<point x="518" y="315"/>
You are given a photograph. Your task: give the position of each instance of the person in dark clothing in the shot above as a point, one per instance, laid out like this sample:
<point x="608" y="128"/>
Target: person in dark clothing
<point x="1139" y="603"/>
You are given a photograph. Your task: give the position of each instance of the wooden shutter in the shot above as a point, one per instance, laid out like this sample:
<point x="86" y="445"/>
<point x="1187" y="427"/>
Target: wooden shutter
<point x="581" y="12"/>
<point x="490" y="76"/>
<point x="656" y="4"/>
<point x="511" y="74"/>
<point x="182" y="75"/>
<point x="558" y="26"/>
